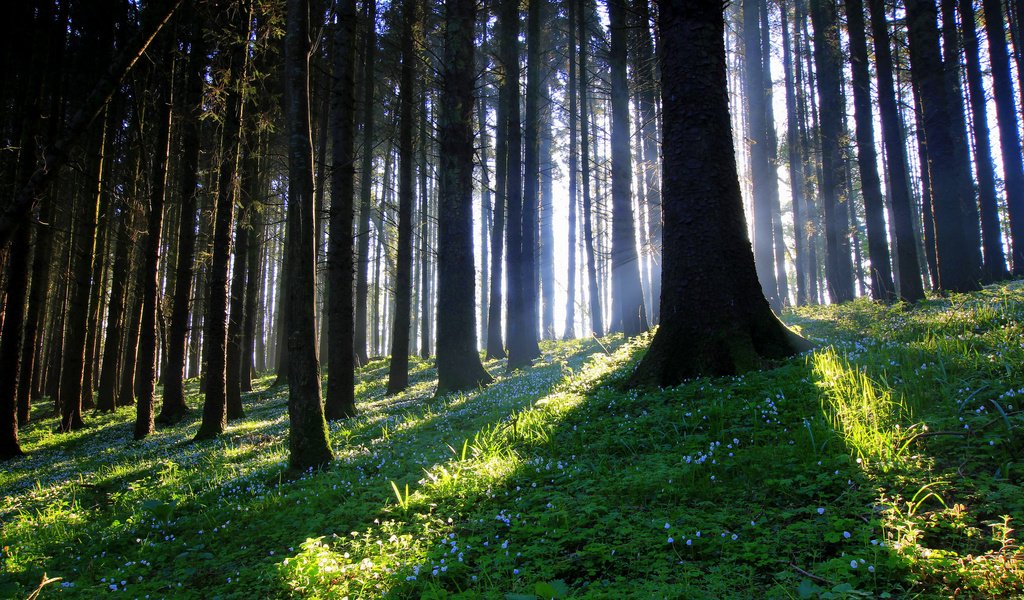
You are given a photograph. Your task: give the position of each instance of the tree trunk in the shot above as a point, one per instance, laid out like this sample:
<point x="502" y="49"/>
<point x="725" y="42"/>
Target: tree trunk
<point x="708" y="260"/>
<point x="761" y="172"/>
<point x="458" y="363"/>
<point x="994" y="266"/>
<point x="628" y="314"/>
<point x="174" y="407"/>
<point x="308" y="443"/>
<point x="647" y="107"/>
<point x="1009" y="134"/>
<point x="495" y="345"/>
<point x="366" y="186"/>
<point x="571" y="92"/>
<point x="10" y="339"/>
<point x="596" y="326"/>
<point x="882" y="285"/>
<point x="150" y="283"/>
<point x="340" y="402"/>
<point x="215" y="327"/>
<point x="796" y="150"/>
<point x="398" y="373"/>
<point x="547" y="218"/>
<point x="909" y="285"/>
<point x="954" y="264"/>
<point x="828" y="60"/>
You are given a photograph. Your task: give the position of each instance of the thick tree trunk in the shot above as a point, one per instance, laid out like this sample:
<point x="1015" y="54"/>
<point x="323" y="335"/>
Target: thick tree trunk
<point x="628" y="313"/>
<point x="308" y="443"/>
<point x="882" y="285"/>
<point x="708" y="260"/>
<point x="340" y="402"/>
<point x="10" y="340"/>
<point x="458" y="363"/>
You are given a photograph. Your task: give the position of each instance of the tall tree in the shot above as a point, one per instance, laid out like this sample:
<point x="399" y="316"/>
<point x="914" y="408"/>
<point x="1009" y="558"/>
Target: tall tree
<point x="909" y="285"/>
<point x="174" y="407"/>
<point x="215" y="322"/>
<point x="147" y="356"/>
<point x="647" y="107"/>
<point x="882" y="285"/>
<point x="340" y="402"/>
<point x="710" y="292"/>
<point x="458" y="363"/>
<point x="495" y="346"/>
<point x="628" y="313"/>
<point x="828" y="60"/>
<point x="572" y="93"/>
<point x="762" y="174"/>
<point x="954" y="265"/>
<point x="596" y="320"/>
<point x="398" y="373"/>
<point x="994" y="266"/>
<point x="1009" y="134"/>
<point x="366" y="173"/>
<point x="797" y="184"/>
<point x="308" y="443"/>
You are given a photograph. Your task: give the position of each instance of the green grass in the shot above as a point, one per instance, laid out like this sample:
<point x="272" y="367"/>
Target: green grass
<point x="885" y="463"/>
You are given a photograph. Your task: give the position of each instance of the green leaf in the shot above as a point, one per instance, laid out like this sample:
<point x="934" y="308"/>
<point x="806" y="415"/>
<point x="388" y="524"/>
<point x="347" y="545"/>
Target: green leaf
<point x="807" y="589"/>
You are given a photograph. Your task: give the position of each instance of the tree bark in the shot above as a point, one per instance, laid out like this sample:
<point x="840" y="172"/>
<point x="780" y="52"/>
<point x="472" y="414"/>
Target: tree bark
<point x="366" y="186"/>
<point x="909" y="285"/>
<point x="596" y="326"/>
<point x="994" y="265"/>
<point x="398" y="373"/>
<point x="828" y="60"/>
<point x="1009" y="134"/>
<point x="628" y="311"/>
<point x="150" y="283"/>
<point x="340" y="402"/>
<point x="308" y="442"/>
<point x="954" y="265"/>
<point x="215" y="321"/>
<point x="458" y="363"/>
<point x="882" y="286"/>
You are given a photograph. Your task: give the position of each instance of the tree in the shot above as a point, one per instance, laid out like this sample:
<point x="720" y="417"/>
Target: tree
<point x="628" y="312"/>
<point x="398" y="373"/>
<point x="954" y="265"/>
<point x="340" y="402"/>
<point x="994" y="266"/>
<point x="147" y="356"/>
<point x="762" y="174"/>
<point x="366" y="188"/>
<point x="308" y="442"/>
<point x="458" y="363"/>
<point x="1009" y="135"/>
<point x="908" y="271"/>
<point x="710" y="294"/>
<point x="215" y="322"/>
<point x="596" y="321"/>
<point x="882" y="285"/>
<point x="828" y="62"/>
<point x="572" y="93"/>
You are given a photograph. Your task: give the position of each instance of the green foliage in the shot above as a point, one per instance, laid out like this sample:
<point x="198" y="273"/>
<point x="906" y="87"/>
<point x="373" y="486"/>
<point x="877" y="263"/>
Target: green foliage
<point x="884" y="464"/>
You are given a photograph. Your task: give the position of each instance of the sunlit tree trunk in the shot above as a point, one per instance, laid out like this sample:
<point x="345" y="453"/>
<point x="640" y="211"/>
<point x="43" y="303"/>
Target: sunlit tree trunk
<point x="366" y="186"/>
<point x="594" y="293"/>
<point x="710" y="292"/>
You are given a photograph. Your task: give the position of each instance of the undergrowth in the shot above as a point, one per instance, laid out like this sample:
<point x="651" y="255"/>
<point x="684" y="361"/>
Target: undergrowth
<point x="884" y="463"/>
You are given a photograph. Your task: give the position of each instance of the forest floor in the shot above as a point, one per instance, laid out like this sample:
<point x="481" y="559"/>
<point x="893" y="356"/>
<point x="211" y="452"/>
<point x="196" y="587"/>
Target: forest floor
<point x="885" y="463"/>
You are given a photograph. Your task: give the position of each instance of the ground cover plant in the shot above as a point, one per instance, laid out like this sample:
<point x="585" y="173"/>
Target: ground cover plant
<point x="884" y="463"/>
